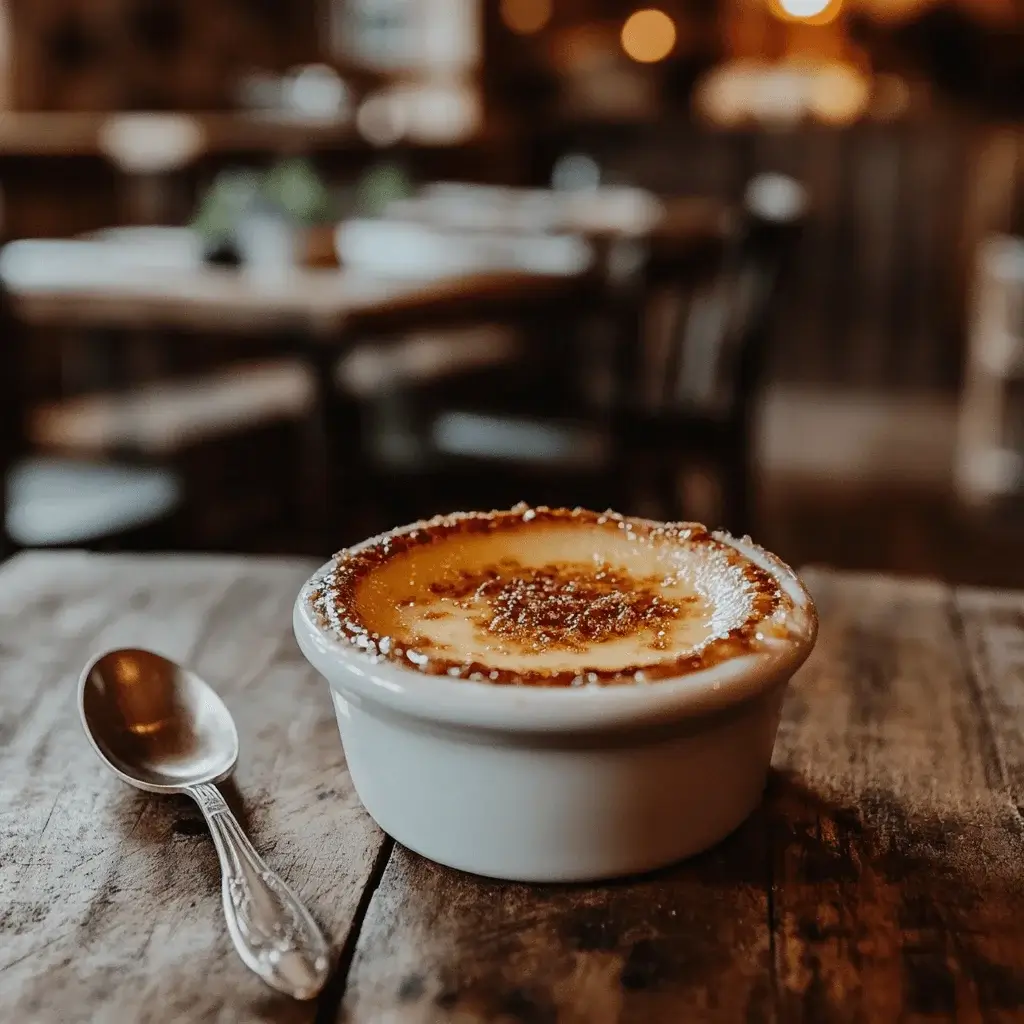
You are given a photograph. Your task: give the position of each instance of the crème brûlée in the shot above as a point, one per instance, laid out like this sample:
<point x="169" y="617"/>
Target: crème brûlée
<point x="552" y="597"/>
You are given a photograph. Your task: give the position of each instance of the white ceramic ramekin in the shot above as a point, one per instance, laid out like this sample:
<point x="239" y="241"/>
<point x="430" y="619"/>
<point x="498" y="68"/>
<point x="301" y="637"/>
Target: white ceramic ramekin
<point x="560" y="784"/>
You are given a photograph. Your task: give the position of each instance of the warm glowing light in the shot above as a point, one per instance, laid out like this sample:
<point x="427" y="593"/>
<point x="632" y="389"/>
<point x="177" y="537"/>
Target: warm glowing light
<point x="786" y="93"/>
<point x="811" y="12"/>
<point x="841" y="95"/>
<point x="648" y="36"/>
<point x="524" y="17"/>
<point x="804" y="8"/>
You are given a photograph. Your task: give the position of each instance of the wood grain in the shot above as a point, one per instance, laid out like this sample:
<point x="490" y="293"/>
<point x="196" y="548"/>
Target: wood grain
<point x="110" y="898"/>
<point x="993" y="626"/>
<point x="897" y="884"/>
<point x="689" y="943"/>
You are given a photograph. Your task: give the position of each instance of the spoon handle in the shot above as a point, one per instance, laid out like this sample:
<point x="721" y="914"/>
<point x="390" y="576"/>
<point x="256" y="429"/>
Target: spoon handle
<point x="273" y="932"/>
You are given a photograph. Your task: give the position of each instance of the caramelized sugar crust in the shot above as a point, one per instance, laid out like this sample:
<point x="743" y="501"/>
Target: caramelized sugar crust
<point x="569" y="606"/>
<point x="552" y="624"/>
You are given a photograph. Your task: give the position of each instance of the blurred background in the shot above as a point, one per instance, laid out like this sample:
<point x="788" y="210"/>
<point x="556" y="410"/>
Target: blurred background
<point x="277" y="274"/>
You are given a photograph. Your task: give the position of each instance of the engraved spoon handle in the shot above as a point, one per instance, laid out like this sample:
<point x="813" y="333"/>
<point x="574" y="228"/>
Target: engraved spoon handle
<point x="273" y="932"/>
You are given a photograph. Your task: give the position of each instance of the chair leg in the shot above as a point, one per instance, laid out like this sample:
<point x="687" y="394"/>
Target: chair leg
<point x="737" y="488"/>
<point x="666" y="482"/>
<point x="332" y="456"/>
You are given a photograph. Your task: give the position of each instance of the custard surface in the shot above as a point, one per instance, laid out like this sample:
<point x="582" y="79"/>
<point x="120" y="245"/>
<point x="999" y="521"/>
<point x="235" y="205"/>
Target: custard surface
<point x="550" y="597"/>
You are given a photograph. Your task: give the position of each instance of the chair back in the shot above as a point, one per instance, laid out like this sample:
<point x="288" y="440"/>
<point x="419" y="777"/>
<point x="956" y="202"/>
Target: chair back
<point x="704" y="319"/>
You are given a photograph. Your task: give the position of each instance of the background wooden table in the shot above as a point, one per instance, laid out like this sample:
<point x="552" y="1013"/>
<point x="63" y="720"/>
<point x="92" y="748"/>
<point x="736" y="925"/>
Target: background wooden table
<point x="882" y="878"/>
<point x="319" y="302"/>
<point x="321" y="313"/>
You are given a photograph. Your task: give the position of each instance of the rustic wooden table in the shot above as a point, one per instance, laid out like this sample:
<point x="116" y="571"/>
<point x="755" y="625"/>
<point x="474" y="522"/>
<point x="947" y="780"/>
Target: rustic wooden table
<point x="881" y="879"/>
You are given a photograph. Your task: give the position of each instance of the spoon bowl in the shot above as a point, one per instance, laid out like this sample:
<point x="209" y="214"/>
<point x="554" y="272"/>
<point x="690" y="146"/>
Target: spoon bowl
<point x="156" y="725"/>
<point x="161" y="728"/>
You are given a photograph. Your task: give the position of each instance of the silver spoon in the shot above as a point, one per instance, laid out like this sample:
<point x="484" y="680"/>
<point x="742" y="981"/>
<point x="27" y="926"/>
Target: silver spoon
<point x="160" y="728"/>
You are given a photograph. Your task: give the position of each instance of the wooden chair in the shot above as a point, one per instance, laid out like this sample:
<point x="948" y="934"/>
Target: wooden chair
<point x="693" y="397"/>
<point x="58" y="502"/>
<point x="178" y="421"/>
<point x="690" y="338"/>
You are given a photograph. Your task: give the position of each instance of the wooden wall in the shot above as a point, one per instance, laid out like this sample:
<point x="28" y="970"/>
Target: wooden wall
<point x="147" y="54"/>
<point x="896" y="212"/>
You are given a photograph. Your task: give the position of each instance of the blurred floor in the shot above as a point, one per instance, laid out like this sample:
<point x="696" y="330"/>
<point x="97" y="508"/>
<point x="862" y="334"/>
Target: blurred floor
<point x="886" y="528"/>
<point x="864" y="483"/>
<point x="854" y="438"/>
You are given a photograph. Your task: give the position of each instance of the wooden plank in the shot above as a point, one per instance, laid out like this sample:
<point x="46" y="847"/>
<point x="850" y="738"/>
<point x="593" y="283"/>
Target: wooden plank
<point x="993" y="626"/>
<point x="898" y="891"/>
<point x="109" y="898"/>
<point x="876" y="198"/>
<point x="687" y="943"/>
<point x="848" y="254"/>
<point x="824" y="263"/>
<point x="936" y="200"/>
<point x="995" y="168"/>
<point x="795" y="339"/>
<point x="949" y="314"/>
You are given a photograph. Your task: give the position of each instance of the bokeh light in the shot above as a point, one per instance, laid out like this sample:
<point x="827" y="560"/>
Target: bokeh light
<point x="812" y="12"/>
<point x="785" y="93"/>
<point x="648" y="36"/>
<point x="804" y="8"/>
<point x="525" y="17"/>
